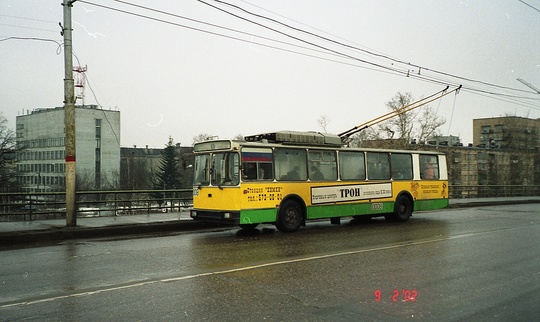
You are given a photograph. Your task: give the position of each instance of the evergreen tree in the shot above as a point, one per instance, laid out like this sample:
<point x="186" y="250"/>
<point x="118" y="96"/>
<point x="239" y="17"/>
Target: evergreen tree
<point x="168" y="173"/>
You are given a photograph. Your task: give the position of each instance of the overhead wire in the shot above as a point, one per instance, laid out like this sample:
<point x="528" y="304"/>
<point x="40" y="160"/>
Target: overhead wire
<point x="321" y="50"/>
<point x="364" y="50"/>
<point x="233" y="30"/>
<point x="25" y="18"/>
<point x="528" y="5"/>
<point x="58" y="50"/>
<point x="30" y="28"/>
<point x="26" y="27"/>
<point x="395" y="70"/>
<point x="303" y="40"/>
<point x="417" y="75"/>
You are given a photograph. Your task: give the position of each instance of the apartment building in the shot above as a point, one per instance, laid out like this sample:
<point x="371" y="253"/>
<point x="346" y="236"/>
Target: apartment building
<point x="506" y="132"/>
<point x="41" y="148"/>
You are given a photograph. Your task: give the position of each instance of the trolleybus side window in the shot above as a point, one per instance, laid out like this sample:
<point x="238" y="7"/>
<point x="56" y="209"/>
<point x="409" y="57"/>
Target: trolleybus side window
<point x="257" y="164"/>
<point x="401" y="166"/>
<point x="378" y="165"/>
<point x="429" y="167"/>
<point x="352" y="166"/>
<point x="290" y="164"/>
<point x="322" y="165"/>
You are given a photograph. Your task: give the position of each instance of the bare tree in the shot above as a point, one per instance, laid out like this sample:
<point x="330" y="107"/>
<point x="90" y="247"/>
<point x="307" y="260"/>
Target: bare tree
<point x="8" y="175"/>
<point x="203" y="137"/>
<point x="323" y="122"/>
<point x="398" y="131"/>
<point x="428" y="125"/>
<point x="135" y="172"/>
<point x="401" y="126"/>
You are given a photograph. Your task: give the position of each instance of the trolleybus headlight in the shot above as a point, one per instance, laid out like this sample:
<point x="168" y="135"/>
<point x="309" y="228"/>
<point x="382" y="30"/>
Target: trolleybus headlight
<point x="193" y="213"/>
<point x="227" y="215"/>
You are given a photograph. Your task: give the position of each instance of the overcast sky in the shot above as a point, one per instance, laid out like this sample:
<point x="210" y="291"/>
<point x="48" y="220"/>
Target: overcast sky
<point x="185" y="78"/>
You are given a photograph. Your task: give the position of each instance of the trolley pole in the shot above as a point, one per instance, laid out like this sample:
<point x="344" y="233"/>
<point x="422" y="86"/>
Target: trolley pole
<point x="69" y="117"/>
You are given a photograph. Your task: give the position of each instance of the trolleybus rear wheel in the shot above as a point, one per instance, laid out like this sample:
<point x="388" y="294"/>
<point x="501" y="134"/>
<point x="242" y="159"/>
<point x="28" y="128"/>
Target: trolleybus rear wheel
<point x="289" y="217"/>
<point x="402" y="209"/>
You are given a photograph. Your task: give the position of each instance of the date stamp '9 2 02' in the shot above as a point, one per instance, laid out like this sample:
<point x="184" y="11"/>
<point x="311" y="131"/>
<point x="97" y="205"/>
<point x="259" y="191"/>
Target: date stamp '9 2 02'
<point x="398" y="295"/>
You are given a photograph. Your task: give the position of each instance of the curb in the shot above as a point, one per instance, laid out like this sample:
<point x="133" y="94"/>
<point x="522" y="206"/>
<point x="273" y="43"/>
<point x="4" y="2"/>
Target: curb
<point x="66" y="233"/>
<point x="61" y="233"/>
<point x="492" y="203"/>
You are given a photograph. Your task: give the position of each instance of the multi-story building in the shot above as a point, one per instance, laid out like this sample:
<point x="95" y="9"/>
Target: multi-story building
<point x="41" y="149"/>
<point x="473" y="167"/>
<point x="506" y="132"/>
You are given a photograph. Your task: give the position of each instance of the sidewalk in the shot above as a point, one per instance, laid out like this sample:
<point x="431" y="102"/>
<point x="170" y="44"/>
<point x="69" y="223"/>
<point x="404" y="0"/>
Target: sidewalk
<point x="479" y="202"/>
<point x="33" y="231"/>
<point x="16" y="232"/>
<point x="94" y="221"/>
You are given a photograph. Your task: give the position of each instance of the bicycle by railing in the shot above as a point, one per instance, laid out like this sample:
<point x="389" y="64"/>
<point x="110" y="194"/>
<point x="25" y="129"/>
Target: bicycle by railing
<point x="49" y="205"/>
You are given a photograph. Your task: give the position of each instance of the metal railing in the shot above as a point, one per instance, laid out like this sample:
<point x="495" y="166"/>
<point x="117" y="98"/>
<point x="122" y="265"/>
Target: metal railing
<point x="492" y="191"/>
<point x="51" y="205"/>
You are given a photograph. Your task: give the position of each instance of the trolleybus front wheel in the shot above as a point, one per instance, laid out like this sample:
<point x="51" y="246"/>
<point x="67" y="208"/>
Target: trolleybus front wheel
<point x="289" y="217"/>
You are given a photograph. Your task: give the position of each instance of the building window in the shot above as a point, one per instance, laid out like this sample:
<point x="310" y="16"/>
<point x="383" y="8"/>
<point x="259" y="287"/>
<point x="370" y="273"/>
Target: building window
<point x="97" y="166"/>
<point x="98" y="129"/>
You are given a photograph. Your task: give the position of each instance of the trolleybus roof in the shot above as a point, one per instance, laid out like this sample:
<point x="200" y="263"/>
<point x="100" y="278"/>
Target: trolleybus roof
<point x="295" y="137"/>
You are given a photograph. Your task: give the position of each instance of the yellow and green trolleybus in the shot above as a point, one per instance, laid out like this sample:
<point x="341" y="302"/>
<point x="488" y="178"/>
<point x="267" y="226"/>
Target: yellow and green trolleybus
<point x="287" y="178"/>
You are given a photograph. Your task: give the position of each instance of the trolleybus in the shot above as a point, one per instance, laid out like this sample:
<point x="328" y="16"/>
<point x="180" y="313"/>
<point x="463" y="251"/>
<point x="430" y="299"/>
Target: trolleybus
<point x="288" y="178"/>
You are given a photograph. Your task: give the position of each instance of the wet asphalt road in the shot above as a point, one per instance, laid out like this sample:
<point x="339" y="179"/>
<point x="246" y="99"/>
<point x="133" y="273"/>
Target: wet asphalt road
<point x="455" y="264"/>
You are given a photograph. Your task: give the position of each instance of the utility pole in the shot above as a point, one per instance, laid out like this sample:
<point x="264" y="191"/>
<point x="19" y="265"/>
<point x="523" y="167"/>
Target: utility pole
<point x="69" y="117"/>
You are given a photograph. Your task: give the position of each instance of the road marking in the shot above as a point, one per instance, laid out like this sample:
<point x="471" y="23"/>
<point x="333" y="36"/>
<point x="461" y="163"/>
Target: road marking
<point x="252" y="267"/>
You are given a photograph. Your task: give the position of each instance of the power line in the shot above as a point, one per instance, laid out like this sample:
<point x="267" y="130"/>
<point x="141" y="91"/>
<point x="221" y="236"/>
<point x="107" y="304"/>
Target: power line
<point x="31" y="28"/>
<point x="302" y="40"/>
<point x="431" y="79"/>
<point x="403" y="72"/>
<point x="528" y="5"/>
<point x="323" y="50"/>
<point x="224" y="28"/>
<point x="352" y="47"/>
<point x="58" y="50"/>
<point x="409" y="74"/>
<point x="303" y="24"/>
<point x="33" y="19"/>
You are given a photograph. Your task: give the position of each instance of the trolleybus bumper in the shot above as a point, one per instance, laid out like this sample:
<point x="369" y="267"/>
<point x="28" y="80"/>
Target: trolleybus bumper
<point x="216" y="216"/>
